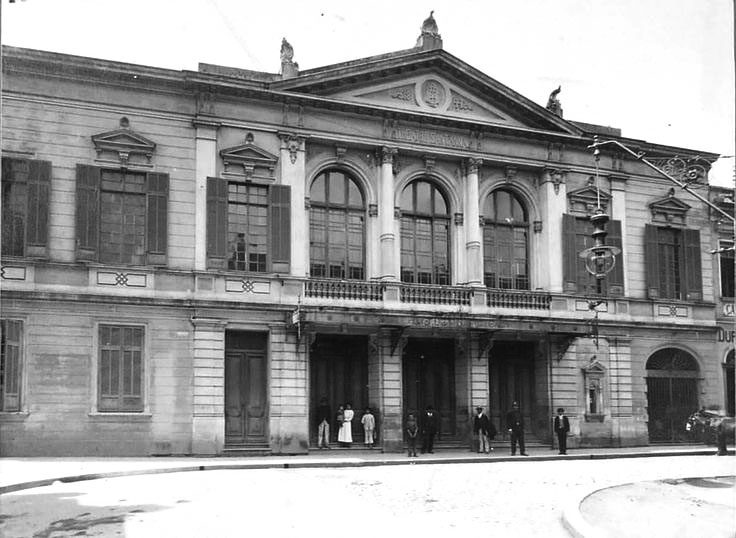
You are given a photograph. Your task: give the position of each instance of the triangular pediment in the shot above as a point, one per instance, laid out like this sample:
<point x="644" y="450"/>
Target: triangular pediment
<point x="123" y="143"/>
<point x="585" y="200"/>
<point x="595" y="368"/>
<point x="429" y="83"/>
<point x="252" y="159"/>
<point x="669" y="210"/>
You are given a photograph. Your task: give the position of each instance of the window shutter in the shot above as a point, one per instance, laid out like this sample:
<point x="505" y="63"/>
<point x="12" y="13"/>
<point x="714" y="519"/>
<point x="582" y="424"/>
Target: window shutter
<point x="11" y="381"/>
<point x="280" y="227"/>
<point x="88" y="203"/>
<point x="14" y="217"/>
<point x="569" y="254"/>
<point x="157" y="195"/>
<point x="37" y="212"/>
<point x="616" y="277"/>
<point x="693" y="271"/>
<point x="651" y="259"/>
<point x="216" y="222"/>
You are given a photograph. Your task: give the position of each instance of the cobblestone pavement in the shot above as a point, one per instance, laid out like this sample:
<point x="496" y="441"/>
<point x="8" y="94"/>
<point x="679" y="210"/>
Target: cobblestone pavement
<point x="517" y="498"/>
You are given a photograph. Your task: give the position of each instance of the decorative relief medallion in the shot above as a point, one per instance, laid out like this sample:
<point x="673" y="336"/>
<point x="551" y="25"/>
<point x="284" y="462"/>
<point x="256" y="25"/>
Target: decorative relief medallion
<point x="433" y="93"/>
<point x="459" y="104"/>
<point x="404" y="93"/>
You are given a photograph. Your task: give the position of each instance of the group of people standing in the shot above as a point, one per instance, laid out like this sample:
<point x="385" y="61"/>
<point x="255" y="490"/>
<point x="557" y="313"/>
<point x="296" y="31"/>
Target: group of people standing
<point x="428" y="427"/>
<point x="344" y="425"/>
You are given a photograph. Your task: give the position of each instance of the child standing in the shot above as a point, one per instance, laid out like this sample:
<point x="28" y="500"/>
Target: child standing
<point x="412" y="430"/>
<point x="369" y="426"/>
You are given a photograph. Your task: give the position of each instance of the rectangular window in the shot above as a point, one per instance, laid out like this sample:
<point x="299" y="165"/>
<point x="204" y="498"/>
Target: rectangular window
<point x="586" y="283"/>
<point x="727" y="268"/>
<point x="120" y="368"/>
<point x="673" y="263"/>
<point x="121" y="216"/>
<point x="669" y="252"/>
<point x="25" y="201"/>
<point x="11" y="333"/>
<point x="247" y="227"/>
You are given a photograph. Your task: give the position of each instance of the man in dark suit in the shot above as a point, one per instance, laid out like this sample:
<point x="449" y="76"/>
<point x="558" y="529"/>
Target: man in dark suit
<point x="562" y="426"/>
<point x="515" y="424"/>
<point x="430" y="425"/>
<point x="482" y="428"/>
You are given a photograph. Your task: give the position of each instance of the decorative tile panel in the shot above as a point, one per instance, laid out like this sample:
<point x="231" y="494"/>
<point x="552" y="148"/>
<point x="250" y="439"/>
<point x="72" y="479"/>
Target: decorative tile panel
<point x="13" y="272"/>
<point x="244" y="285"/>
<point x="131" y="280"/>
<point x="672" y="311"/>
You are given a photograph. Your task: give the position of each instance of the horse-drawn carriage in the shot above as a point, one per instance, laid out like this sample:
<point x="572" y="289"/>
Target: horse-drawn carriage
<point x="711" y="426"/>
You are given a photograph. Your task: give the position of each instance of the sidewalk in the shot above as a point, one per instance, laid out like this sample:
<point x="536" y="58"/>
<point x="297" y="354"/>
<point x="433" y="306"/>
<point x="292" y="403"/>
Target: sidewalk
<point x="23" y="473"/>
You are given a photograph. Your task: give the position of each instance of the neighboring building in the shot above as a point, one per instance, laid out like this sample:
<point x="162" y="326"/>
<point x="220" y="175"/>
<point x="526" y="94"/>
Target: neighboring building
<point x="192" y="260"/>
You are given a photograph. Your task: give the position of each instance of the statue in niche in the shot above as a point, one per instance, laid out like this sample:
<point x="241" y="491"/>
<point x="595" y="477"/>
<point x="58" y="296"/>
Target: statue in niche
<point x="429" y="26"/>
<point x="553" y="103"/>
<point x="287" y="51"/>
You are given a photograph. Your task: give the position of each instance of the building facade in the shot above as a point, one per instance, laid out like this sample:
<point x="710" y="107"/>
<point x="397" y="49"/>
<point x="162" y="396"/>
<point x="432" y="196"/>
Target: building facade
<point x="192" y="260"/>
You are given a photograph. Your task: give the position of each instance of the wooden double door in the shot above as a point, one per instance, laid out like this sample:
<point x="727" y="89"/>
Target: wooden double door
<point x="246" y="394"/>
<point x="339" y="373"/>
<point x="511" y="374"/>
<point x="429" y="379"/>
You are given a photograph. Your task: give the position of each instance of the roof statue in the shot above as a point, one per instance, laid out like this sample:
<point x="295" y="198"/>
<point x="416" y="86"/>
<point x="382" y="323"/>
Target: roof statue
<point x="287" y="51"/>
<point x="289" y="68"/>
<point x="429" y="26"/>
<point x="430" y="37"/>
<point x="553" y="104"/>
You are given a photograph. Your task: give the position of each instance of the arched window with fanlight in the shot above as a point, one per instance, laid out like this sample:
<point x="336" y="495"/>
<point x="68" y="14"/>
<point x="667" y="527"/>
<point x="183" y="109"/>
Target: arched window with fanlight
<point x="337" y="227"/>
<point x="425" y="234"/>
<point x="505" y="241"/>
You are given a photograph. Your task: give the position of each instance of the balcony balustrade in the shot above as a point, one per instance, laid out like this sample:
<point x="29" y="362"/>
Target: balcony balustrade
<point x="353" y="290"/>
<point x="523" y="300"/>
<point x="437" y="295"/>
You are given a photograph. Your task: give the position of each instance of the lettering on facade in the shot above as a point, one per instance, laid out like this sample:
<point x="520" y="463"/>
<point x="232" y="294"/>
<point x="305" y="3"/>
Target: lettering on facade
<point x="444" y="323"/>
<point x="431" y="137"/>
<point x="728" y="310"/>
<point x="724" y="335"/>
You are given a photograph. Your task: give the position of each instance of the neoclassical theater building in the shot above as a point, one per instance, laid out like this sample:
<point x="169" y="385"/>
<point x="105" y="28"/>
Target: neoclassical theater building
<point x="192" y="260"/>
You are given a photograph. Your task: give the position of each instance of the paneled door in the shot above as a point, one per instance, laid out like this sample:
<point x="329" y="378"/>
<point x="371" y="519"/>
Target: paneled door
<point x="245" y="398"/>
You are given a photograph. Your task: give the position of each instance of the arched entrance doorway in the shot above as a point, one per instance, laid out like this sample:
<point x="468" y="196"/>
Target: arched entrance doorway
<point x="672" y="393"/>
<point x="729" y="375"/>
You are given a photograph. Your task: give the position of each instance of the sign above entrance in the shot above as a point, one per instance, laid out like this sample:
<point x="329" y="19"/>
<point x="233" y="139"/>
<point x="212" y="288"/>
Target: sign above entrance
<point x="393" y="130"/>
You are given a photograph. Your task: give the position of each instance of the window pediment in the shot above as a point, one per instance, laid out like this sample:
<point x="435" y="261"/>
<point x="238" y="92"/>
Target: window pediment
<point x="669" y="210"/>
<point x="595" y="369"/>
<point x="585" y="200"/>
<point x="253" y="160"/>
<point x="123" y="146"/>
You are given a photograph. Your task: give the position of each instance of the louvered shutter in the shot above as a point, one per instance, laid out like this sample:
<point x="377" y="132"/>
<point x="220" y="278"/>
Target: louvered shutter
<point x="651" y="260"/>
<point x="569" y="254"/>
<point x="88" y="202"/>
<point x="157" y="195"/>
<point x="279" y="198"/>
<point x="37" y="213"/>
<point x="216" y="222"/>
<point x="616" y="277"/>
<point x="693" y="289"/>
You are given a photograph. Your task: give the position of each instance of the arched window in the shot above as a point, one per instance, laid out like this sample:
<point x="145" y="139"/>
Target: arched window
<point x="425" y="234"/>
<point x="505" y="242"/>
<point x="336" y="227"/>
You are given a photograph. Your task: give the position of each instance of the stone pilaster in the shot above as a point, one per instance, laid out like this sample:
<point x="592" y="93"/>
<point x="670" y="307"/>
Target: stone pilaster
<point x="474" y="263"/>
<point x="386" y="215"/>
<point x="289" y="394"/>
<point x="618" y="212"/>
<point x="206" y="166"/>
<point x="293" y="173"/>
<point x="208" y="415"/>
<point x="553" y="202"/>
<point x="389" y="353"/>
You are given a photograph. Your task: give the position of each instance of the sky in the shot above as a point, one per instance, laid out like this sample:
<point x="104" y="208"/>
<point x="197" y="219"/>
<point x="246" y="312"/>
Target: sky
<point x="660" y="70"/>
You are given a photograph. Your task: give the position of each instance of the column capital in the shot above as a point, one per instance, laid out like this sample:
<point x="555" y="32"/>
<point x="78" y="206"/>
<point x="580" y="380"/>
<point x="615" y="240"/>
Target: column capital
<point x="473" y="165"/>
<point x="556" y="176"/>
<point x="293" y="142"/>
<point x="388" y="154"/>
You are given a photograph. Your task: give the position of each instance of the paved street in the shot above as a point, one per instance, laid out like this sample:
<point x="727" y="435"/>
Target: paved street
<point x="520" y="498"/>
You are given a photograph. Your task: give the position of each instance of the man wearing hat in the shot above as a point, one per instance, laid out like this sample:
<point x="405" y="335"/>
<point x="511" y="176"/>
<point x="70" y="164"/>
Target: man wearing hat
<point x="562" y="426"/>
<point x="482" y="427"/>
<point x="515" y="424"/>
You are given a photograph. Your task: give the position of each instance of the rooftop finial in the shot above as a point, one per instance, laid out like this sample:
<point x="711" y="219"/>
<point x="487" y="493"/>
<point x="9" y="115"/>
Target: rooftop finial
<point x="430" y="34"/>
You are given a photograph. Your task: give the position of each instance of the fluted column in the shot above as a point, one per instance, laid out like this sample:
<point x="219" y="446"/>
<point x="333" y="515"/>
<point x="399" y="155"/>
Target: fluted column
<point x="474" y="264"/>
<point x="386" y="215"/>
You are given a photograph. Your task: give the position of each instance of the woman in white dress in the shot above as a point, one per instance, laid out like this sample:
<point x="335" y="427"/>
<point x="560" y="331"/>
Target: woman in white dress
<point x="345" y="435"/>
